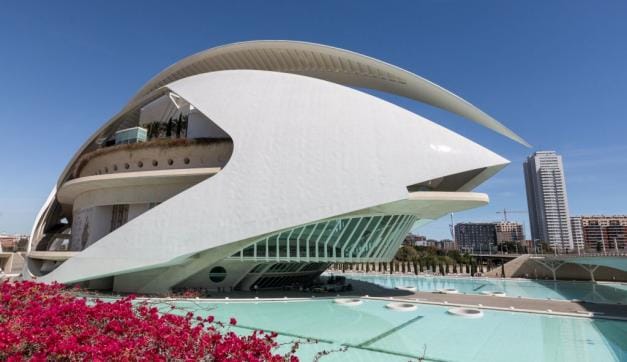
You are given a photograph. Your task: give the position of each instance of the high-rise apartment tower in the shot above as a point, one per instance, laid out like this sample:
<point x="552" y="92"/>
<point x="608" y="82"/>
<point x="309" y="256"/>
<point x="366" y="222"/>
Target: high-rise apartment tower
<point x="547" y="200"/>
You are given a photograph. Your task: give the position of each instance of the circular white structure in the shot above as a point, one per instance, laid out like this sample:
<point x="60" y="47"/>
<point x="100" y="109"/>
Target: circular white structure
<point x="402" y="307"/>
<point x="349" y="302"/>
<point x="494" y="293"/>
<point x="448" y="291"/>
<point x="466" y="312"/>
<point x="407" y="288"/>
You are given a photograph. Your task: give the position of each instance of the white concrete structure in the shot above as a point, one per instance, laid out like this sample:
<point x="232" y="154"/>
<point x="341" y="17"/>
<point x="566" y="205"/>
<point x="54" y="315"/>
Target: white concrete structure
<point x="285" y="170"/>
<point x="547" y="200"/>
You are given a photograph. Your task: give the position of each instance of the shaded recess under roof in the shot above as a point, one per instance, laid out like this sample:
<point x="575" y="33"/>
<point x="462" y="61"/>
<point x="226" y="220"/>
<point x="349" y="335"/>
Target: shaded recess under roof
<point x="447" y="183"/>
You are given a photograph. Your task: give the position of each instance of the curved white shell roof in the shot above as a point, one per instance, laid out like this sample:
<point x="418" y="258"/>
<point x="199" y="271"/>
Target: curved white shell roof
<point x="328" y="63"/>
<point x="285" y="172"/>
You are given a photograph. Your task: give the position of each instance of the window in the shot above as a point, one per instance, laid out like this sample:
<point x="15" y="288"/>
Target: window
<point x="217" y="274"/>
<point x="119" y="216"/>
<point x="257" y="268"/>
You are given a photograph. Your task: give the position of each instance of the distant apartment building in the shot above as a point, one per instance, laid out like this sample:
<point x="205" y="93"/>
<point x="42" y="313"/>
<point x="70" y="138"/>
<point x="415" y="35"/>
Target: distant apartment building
<point x="486" y="236"/>
<point x="415" y="240"/>
<point x="444" y="244"/>
<point x="547" y="200"/>
<point x="507" y="231"/>
<point x="600" y="232"/>
<point x="475" y="236"/>
<point x="576" y="227"/>
<point x="13" y="243"/>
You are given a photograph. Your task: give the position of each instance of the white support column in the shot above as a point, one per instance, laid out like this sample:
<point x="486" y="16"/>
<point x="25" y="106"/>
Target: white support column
<point x="374" y="234"/>
<point x="287" y="245"/>
<point x="551" y="264"/>
<point x="350" y="252"/>
<point x="343" y="255"/>
<point x="267" y="249"/>
<point x="326" y="242"/>
<point x="298" y="243"/>
<point x="384" y="236"/>
<point x="392" y="237"/>
<point x="307" y="242"/>
<point x="339" y="238"/>
<point x="326" y="226"/>
<point x="590" y="269"/>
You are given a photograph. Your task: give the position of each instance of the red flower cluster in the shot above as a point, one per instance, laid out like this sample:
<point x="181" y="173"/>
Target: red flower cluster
<point x="41" y="322"/>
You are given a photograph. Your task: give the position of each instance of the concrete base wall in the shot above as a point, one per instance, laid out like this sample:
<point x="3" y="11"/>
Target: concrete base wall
<point x="235" y="271"/>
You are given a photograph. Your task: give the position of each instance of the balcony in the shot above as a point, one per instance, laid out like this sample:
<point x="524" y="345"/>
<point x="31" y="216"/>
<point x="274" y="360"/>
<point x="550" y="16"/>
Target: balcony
<point x="160" y="154"/>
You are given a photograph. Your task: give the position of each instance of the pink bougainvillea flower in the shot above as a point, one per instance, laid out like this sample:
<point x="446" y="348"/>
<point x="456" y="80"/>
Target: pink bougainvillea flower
<point x="41" y="322"/>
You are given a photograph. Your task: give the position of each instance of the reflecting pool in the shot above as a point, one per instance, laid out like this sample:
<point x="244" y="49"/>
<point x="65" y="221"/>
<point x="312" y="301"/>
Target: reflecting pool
<point x="374" y="333"/>
<point x="562" y="290"/>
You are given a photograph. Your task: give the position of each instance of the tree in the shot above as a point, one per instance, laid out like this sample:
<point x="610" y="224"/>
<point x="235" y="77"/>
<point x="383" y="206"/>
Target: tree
<point x="181" y="126"/>
<point x="448" y="261"/>
<point x="168" y="128"/>
<point x="455" y="255"/>
<point x="406" y="253"/>
<point x="415" y="260"/>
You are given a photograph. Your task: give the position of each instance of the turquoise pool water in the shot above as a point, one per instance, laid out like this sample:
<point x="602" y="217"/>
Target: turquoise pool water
<point x="375" y="333"/>
<point x="562" y="290"/>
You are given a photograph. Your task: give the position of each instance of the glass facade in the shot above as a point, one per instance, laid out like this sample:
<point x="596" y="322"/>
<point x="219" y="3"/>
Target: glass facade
<point x="363" y="238"/>
<point x="131" y="135"/>
<point x="119" y="216"/>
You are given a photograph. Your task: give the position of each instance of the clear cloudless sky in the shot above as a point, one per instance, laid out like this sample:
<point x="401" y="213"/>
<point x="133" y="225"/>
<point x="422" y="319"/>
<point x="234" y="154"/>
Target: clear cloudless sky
<point x="553" y="71"/>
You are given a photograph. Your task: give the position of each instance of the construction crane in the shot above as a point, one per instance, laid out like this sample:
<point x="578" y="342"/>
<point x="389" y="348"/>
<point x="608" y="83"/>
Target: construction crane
<point x="505" y="212"/>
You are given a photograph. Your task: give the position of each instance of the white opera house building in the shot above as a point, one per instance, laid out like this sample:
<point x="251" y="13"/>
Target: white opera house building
<point x="256" y="164"/>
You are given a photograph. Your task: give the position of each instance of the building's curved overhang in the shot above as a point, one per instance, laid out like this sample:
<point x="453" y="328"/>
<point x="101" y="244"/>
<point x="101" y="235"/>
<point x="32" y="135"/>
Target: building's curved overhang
<point x="71" y="189"/>
<point x="309" y="59"/>
<point x="324" y="62"/>
<point x="430" y="205"/>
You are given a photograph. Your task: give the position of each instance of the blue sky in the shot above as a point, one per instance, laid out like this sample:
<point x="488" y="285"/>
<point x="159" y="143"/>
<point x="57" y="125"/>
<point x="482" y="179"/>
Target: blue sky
<point x="553" y="71"/>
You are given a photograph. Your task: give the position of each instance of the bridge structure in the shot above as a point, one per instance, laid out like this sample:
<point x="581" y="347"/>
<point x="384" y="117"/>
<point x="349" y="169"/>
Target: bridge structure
<point x="609" y="266"/>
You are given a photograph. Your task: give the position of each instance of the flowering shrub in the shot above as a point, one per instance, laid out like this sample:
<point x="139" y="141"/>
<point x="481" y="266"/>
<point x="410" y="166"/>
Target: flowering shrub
<point x="41" y="322"/>
<point x="187" y="293"/>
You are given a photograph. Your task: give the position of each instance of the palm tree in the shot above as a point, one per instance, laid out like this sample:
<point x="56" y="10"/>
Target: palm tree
<point x="448" y="261"/>
<point x="415" y="260"/>
<point x="468" y="261"/>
